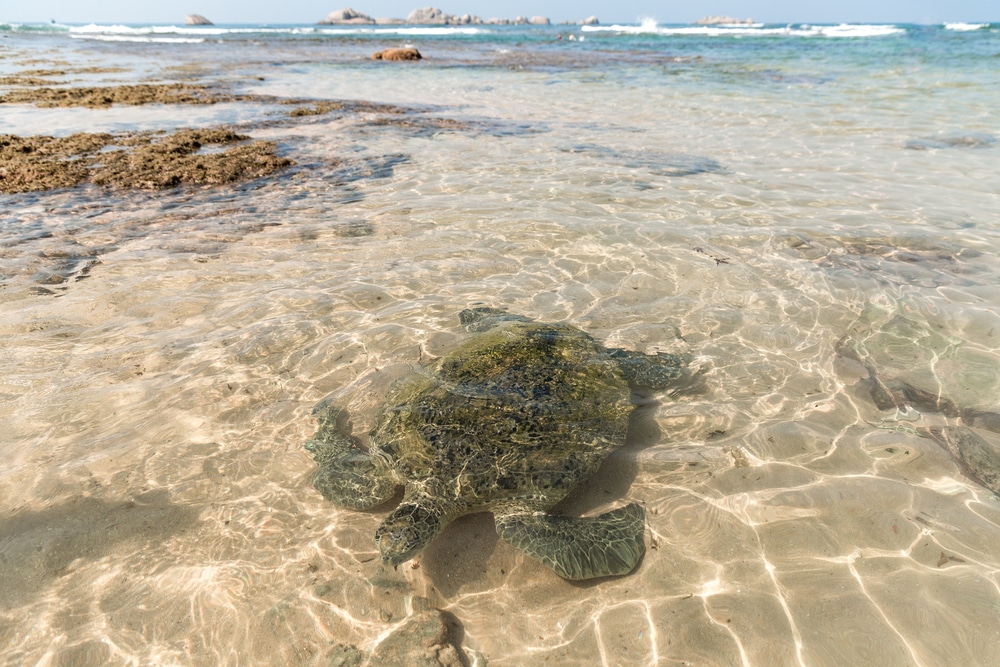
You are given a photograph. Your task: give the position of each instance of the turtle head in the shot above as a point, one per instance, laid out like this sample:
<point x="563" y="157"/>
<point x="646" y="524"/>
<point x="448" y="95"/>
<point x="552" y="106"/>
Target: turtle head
<point x="406" y="531"/>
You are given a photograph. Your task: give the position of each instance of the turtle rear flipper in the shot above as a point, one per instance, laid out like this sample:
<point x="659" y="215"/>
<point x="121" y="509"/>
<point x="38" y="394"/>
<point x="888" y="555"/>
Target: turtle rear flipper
<point x="346" y="476"/>
<point x="579" y="548"/>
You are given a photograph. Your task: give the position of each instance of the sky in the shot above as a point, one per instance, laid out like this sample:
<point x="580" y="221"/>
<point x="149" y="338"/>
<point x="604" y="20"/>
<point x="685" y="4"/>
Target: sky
<point x="607" y="11"/>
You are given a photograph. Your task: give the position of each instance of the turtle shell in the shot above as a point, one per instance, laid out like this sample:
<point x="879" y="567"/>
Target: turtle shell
<point x="522" y="410"/>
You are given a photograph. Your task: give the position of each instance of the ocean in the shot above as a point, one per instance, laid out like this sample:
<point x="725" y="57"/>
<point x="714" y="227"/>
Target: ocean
<point x="807" y="214"/>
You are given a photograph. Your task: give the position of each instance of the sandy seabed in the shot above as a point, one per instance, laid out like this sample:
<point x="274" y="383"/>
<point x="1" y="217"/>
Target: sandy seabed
<point x="825" y="495"/>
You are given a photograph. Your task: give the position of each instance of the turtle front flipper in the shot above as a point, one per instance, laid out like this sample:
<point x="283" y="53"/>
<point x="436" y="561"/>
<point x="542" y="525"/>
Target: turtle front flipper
<point x="346" y="476"/>
<point x="579" y="548"/>
<point x="656" y="371"/>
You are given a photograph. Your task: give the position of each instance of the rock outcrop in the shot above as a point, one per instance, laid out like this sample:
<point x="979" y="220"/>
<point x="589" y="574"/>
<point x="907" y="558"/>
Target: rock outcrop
<point x="196" y="19"/>
<point x="347" y="16"/>
<point x="434" y="16"/>
<point x="397" y="54"/>
<point x="428" y="16"/>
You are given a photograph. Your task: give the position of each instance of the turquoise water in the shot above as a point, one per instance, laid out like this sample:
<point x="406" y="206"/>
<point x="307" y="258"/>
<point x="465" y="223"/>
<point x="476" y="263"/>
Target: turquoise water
<point x="801" y="210"/>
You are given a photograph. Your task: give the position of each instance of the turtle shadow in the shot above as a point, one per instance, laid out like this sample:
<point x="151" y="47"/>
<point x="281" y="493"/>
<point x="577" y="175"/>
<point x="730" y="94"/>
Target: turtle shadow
<point x="616" y="474"/>
<point x="460" y="556"/>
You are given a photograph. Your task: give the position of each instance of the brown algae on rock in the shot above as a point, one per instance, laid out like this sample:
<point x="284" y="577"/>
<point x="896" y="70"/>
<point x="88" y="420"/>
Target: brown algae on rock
<point x="31" y="164"/>
<point x="156" y="160"/>
<point x="21" y="80"/>
<point x="105" y="96"/>
<point x="176" y="160"/>
<point x="144" y="160"/>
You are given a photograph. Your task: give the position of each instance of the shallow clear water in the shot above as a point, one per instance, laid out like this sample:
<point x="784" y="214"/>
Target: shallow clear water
<point x="795" y="212"/>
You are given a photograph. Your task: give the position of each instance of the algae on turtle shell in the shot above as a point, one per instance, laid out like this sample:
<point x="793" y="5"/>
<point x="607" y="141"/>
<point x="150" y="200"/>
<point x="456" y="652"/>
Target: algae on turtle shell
<point x="510" y="422"/>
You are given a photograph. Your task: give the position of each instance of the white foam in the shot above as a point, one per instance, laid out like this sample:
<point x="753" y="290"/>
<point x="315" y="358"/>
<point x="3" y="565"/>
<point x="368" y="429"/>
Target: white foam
<point x="33" y="27"/>
<point x="202" y="31"/>
<point x="94" y="29"/>
<point x="754" y="30"/>
<point x="859" y="30"/>
<point x="966" y="27"/>
<point x="140" y="38"/>
<point x="647" y="26"/>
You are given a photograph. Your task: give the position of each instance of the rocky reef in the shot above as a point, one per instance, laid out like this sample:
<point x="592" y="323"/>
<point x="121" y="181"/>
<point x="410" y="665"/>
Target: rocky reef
<point x="397" y="54"/>
<point x="144" y="160"/>
<point x="434" y="16"/>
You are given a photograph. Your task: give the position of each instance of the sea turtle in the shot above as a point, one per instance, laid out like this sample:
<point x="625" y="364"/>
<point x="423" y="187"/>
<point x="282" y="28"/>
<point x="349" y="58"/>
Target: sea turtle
<point x="510" y="422"/>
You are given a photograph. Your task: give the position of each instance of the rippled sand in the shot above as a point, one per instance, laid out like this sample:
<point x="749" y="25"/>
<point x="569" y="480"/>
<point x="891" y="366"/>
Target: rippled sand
<point x="160" y="354"/>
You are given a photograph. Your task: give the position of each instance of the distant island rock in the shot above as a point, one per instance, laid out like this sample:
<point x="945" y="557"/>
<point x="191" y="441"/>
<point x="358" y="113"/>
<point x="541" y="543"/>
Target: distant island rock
<point x="347" y="16"/>
<point x="722" y="20"/>
<point x="196" y="19"/>
<point x="434" y="16"/>
<point x="591" y="20"/>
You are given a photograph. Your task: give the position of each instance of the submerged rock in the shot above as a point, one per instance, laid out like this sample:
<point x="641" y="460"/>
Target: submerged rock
<point x="659" y="164"/>
<point x="428" y="638"/>
<point x="196" y="19"/>
<point x="970" y="140"/>
<point x="397" y="54"/>
<point x="344" y="655"/>
<point x="908" y="260"/>
<point x="976" y="456"/>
